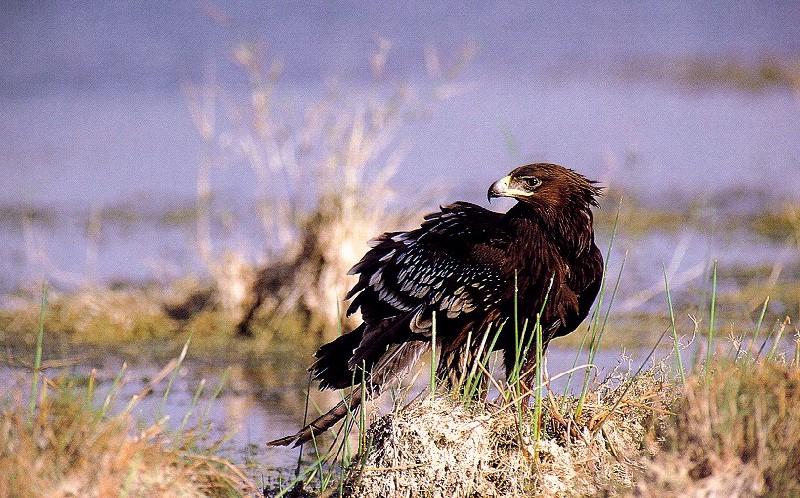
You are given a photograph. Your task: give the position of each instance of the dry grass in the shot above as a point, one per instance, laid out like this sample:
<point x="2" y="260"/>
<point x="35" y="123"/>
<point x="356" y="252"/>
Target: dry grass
<point x="68" y="449"/>
<point x="763" y="74"/>
<point x="779" y="224"/>
<point x="736" y="433"/>
<point x="437" y="447"/>
<point x="732" y="432"/>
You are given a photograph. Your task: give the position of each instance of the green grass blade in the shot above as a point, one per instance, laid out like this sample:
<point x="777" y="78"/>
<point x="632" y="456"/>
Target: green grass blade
<point x="362" y="413"/>
<point x="172" y="377"/>
<point x="304" y="475"/>
<point x="516" y="372"/>
<point x="479" y="375"/>
<point x="114" y="389"/>
<point x="195" y="399"/>
<point x="305" y="421"/>
<point x="766" y="340"/>
<point x="37" y="359"/>
<point x="468" y="351"/>
<point x="760" y="321"/>
<point x="525" y="351"/>
<point x="596" y="343"/>
<point x="595" y="318"/>
<point x="597" y="336"/>
<point x="472" y="376"/>
<point x="516" y="326"/>
<point x="675" y="343"/>
<point x="222" y="382"/>
<point x="537" y="410"/>
<point x="711" y="319"/>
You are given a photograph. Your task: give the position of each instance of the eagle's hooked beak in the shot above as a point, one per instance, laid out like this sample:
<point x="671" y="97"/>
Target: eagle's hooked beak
<point x="499" y="188"/>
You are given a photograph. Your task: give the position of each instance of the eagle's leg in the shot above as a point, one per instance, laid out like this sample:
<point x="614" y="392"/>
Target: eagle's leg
<point x="527" y="373"/>
<point x="458" y="370"/>
<point x="450" y="368"/>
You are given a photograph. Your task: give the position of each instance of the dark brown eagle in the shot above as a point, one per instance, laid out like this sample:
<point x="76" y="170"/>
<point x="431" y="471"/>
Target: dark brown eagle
<point x="463" y="264"/>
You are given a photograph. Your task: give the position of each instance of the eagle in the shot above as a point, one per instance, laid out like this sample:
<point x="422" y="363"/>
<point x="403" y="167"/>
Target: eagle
<point x="467" y="270"/>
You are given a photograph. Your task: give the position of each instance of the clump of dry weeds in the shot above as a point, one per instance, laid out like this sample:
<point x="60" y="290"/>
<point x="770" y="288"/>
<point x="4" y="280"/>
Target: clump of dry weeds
<point x="736" y="433"/>
<point x="439" y="447"/>
<point x="67" y="449"/>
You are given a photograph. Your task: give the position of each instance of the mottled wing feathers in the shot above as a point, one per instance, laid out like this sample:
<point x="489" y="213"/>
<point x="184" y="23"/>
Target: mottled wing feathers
<point x="461" y="221"/>
<point x="451" y="264"/>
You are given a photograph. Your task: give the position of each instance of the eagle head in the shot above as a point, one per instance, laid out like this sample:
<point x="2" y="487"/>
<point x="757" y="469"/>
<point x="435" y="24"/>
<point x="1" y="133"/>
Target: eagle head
<point x="544" y="184"/>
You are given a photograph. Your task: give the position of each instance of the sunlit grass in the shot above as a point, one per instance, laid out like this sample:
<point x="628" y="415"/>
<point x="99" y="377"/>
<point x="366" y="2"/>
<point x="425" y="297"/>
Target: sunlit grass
<point x="735" y="431"/>
<point x="68" y="443"/>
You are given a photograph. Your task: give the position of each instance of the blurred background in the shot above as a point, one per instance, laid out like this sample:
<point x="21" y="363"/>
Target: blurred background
<point x="161" y="160"/>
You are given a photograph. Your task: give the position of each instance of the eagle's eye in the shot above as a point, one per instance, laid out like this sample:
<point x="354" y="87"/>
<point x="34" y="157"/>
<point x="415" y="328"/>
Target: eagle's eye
<point x="532" y="181"/>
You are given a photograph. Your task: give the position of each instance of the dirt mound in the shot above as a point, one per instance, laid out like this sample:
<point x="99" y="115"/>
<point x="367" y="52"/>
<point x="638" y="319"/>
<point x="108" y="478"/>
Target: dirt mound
<point x="438" y="447"/>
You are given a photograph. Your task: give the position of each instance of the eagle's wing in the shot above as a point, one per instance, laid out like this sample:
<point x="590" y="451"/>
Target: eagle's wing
<point x="451" y="265"/>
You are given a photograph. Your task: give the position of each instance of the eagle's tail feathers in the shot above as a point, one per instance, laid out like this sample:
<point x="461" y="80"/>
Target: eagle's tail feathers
<point x="322" y="423"/>
<point x="391" y="367"/>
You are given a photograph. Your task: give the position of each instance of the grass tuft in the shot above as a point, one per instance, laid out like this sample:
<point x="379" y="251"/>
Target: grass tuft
<point x="712" y="312"/>
<point x="735" y="434"/>
<point x="68" y="447"/>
